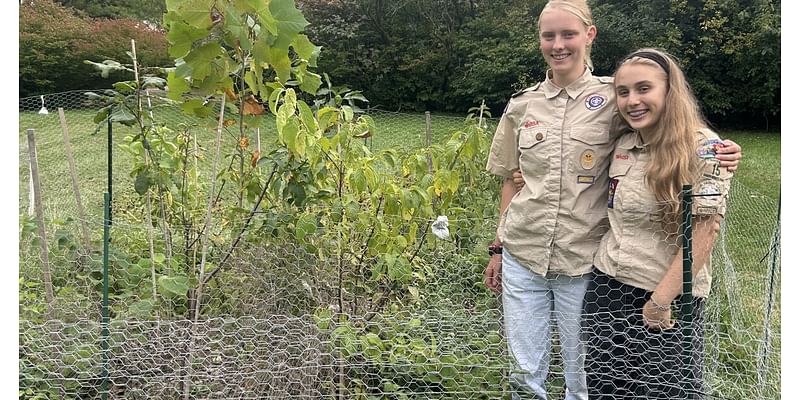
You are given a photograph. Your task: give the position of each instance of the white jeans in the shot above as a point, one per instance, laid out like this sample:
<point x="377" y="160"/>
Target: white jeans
<point x="529" y="302"/>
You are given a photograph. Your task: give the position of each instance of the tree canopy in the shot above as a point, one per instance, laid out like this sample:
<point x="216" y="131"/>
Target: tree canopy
<point x="449" y="55"/>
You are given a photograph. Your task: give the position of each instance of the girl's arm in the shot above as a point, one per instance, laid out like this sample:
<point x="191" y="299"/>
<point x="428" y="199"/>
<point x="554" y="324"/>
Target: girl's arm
<point x="656" y="311"/>
<point x="492" y="274"/>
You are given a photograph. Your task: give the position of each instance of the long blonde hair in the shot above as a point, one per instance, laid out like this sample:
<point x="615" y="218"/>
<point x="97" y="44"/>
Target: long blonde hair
<point x="578" y="8"/>
<point x="673" y="144"/>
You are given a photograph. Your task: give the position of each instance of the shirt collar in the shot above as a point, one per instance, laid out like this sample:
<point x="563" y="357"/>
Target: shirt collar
<point x="632" y="140"/>
<point x="574" y="89"/>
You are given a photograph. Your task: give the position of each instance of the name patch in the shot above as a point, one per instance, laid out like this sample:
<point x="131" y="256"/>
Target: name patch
<point x="587" y="179"/>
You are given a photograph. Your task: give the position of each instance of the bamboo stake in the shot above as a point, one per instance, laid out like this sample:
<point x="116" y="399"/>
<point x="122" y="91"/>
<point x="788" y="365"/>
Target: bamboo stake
<point x="148" y="205"/>
<point x="74" y="175"/>
<point x="31" y="207"/>
<point x="37" y="189"/>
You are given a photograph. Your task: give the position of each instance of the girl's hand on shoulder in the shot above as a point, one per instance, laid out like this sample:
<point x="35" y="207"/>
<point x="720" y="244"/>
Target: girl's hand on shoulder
<point x="729" y="155"/>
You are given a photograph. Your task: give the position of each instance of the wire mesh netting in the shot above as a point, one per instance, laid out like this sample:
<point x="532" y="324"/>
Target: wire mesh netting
<point x="283" y="301"/>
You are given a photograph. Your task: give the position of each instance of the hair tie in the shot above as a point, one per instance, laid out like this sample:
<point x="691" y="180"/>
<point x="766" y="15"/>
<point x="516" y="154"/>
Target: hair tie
<point x="655" y="57"/>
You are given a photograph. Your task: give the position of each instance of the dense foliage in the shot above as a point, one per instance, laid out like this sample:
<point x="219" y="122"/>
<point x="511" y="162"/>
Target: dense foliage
<point x="445" y="55"/>
<point x="149" y="10"/>
<point x="54" y="41"/>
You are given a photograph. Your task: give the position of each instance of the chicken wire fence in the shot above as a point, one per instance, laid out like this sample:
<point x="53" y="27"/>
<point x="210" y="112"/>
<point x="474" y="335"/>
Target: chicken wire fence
<point x="285" y="319"/>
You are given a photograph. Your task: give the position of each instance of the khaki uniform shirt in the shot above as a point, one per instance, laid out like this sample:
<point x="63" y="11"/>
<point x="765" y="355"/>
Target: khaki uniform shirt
<point x="637" y="250"/>
<point x="560" y="138"/>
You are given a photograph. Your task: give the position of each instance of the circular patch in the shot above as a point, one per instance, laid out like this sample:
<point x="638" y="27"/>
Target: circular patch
<point x="587" y="159"/>
<point x="595" y="101"/>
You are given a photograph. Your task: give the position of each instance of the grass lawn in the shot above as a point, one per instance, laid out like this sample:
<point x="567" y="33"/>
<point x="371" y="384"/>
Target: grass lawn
<point x="760" y="168"/>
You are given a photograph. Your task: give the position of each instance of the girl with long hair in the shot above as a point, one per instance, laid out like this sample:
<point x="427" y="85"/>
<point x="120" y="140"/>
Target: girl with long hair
<point x="634" y="347"/>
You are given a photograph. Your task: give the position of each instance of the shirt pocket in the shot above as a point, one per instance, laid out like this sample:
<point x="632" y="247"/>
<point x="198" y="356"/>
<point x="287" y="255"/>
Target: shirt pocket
<point x="534" y="152"/>
<point x="588" y="148"/>
<point x="528" y="138"/>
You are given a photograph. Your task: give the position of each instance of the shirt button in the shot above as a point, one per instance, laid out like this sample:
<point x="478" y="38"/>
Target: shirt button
<point x="539" y="136"/>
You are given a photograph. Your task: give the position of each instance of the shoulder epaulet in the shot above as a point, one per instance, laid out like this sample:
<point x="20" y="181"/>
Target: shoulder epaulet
<point x="530" y="89"/>
<point x="606" y="79"/>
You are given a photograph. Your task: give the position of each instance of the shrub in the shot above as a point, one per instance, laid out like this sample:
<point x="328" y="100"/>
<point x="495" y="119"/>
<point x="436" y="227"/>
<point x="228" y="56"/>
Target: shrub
<point x="54" y="41"/>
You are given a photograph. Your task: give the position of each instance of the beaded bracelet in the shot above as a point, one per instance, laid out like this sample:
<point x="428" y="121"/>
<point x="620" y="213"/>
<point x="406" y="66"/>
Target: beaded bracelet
<point x="659" y="307"/>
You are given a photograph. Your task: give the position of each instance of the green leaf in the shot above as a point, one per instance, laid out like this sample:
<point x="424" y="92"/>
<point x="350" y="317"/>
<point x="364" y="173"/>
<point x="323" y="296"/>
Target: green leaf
<point x="289" y="21"/>
<point x="399" y="268"/>
<point x="307" y="116"/>
<point x="306" y="225"/>
<point x="141" y="309"/>
<point x="348" y="113"/>
<point x="177" y="86"/>
<point x="306" y="50"/>
<point x="290" y="134"/>
<point x="181" y="37"/>
<point x="196" y="13"/>
<point x="123" y="116"/>
<point x="173" y="286"/>
<point x="327" y="116"/>
<point x="263" y="10"/>
<point x="280" y="62"/>
<point x="102" y="114"/>
<point x="107" y="67"/>
<point x="142" y="183"/>
<point x="235" y="30"/>
<point x="202" y="59"/>
<point x="309" y="82"/>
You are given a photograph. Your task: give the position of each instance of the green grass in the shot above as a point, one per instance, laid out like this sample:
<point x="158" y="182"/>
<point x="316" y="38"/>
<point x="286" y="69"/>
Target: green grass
<point x="760" y="168"/>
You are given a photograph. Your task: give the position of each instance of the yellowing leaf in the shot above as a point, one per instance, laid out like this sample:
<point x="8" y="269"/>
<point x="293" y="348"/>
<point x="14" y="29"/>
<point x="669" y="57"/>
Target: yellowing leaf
<point x="254" y="158"/>
<point x="244" y="141"/>
<point x="231" y="95"/>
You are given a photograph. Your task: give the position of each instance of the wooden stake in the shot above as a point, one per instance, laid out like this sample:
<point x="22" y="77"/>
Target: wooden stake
<point x="37" y="190"/>
<point x="74" y="175"/>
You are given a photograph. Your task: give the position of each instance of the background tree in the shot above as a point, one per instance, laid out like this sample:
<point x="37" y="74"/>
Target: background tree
<point x="449" y="55"/>
<point x="148" y="10"/>
<point x="55" y="40"/>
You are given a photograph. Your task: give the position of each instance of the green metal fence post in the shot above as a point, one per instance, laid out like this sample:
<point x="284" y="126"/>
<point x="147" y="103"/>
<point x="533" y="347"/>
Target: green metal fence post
<point x="110" y="167"/>
<point x="106" y="239"/>
<point x="687" y="306"/>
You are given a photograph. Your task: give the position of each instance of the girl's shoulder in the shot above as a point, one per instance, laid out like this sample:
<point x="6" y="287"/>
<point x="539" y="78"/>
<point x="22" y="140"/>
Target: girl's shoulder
<point x="604" y="79"/>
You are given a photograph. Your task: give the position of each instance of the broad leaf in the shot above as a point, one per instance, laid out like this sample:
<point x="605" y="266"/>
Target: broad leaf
<point x="173" y="286"/>
<point x="142" y="183"/>
<point x="306" y="225"/>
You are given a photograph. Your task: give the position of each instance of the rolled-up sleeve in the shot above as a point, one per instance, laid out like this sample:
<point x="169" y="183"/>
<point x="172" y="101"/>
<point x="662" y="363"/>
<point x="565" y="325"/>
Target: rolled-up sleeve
<point x="504" y="154"/>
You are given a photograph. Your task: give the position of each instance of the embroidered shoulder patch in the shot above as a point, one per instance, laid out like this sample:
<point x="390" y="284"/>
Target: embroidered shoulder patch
<point x="595" y="101"/>
<point x="709" y="148"/>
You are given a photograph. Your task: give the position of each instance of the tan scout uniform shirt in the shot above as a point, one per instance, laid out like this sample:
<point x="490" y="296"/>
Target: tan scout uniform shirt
<point x="559" y="138"/>
<point x="637" y="250"/>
